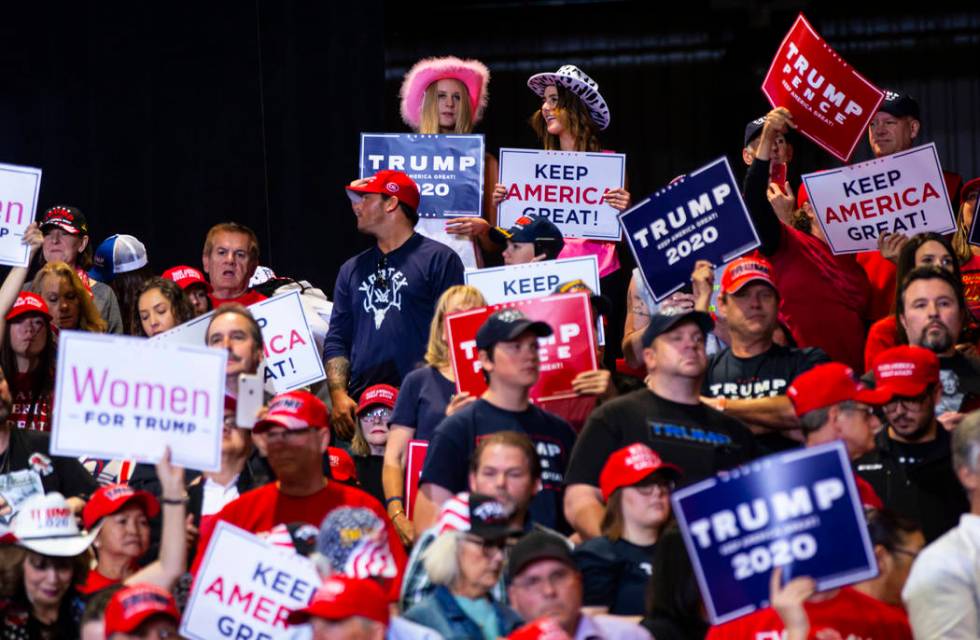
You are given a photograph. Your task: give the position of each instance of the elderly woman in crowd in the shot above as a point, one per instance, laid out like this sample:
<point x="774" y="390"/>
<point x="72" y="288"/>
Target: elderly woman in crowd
<point x="466" y="565"/>
<point x="427" y="395"/>
<point x="161" y="305"/>
<point x="121" y="516"/>
<point x="41" y="572"/>
<point x="66" y="239"/>
<point x="615" y="567"/>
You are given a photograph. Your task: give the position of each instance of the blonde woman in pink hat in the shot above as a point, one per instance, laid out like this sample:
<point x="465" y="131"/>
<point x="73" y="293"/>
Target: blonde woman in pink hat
<point x="449" y="95"/>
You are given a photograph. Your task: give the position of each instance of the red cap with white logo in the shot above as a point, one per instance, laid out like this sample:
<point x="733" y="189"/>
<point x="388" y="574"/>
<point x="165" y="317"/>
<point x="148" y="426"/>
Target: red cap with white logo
<point x="294" y="410"/>
<point x="186" y="276"/>
<point x="829" y="384"/>
<point x="383" y="394"/>
<point x="390" y="183"/>
<point x="133" y="605"/>
<point x="631" y="465"/>
<point x="745" y="270"/>
<point x="113" y="497"/>
<point x="906" y="371"/>
<point x="341" y="597"/>
<point x="28" y="302"/>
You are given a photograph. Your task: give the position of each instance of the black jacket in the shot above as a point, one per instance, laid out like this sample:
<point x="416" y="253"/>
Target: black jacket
<point x="927" y="490"/>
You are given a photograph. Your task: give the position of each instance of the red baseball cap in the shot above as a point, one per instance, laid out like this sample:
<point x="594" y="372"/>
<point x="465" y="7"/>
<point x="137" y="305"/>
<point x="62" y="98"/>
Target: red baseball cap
<point x="131" y="606"/>
<point x="113" y="497"/>
<point x="186" y="276"/>
<point x="631" y="465"/>
<point x="906" y="371"/>
<point x="745" y="270"/>
<point x="294" y="410"/>
<point x="802" y="197"/>
<point x="389" y="183"/>
<point x="341" y="465"/>
<point x="28" y="302"/>
<point x="341" y="597"/>
<point x="971" y="185"/>
<point x="383" y="394"/>
<point x="829" y="384"/>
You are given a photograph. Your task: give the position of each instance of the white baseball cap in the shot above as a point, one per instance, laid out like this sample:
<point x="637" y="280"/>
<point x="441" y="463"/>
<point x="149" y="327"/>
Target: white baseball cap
<point x="46" y="525"/>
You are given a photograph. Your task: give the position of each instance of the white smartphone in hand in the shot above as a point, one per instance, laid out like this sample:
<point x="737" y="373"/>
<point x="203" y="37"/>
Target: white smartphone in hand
<point x="249" y="399"/>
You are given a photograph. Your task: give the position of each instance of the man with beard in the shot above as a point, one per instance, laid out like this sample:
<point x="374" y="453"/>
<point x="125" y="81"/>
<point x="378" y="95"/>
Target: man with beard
<point x="23" y="453"/>
<point x="932" y="313"/>
<point x="911" y="466"/>
<point x="294" y="430"/>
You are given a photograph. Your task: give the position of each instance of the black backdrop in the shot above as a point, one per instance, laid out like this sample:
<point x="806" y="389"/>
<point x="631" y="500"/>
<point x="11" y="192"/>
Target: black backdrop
<point x="160" y="119"/>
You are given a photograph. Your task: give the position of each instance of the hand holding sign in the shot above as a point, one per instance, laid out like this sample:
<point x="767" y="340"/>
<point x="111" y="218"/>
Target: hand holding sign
<point x="19" y="187"/>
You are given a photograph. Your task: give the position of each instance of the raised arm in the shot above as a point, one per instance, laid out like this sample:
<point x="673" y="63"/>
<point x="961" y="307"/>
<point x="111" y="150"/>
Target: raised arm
<point x="172" y="562"/>
<point x="766" y="223"/>
<point x="17" y="276"/>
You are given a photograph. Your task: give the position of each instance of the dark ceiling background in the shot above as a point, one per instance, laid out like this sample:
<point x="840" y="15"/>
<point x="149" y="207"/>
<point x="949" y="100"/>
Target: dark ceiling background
<point x="160" y="119"/>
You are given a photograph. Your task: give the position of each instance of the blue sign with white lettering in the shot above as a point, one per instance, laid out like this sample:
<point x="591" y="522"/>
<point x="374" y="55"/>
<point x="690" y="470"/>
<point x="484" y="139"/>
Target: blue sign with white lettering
<point x="798" y="510"/>
<point x="447" y="168"/>
<point x="697" y="217"/>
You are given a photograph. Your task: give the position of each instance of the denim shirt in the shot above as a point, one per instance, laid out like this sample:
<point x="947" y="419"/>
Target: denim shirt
<point x="441" y="613"/>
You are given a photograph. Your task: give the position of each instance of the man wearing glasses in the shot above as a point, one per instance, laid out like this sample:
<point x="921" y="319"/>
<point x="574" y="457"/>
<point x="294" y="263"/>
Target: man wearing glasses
<point x="544" y="582"/>
<point x="832" y="405"/>
<point x="294" y="429"/>
<point x="911" y="465"/>
<point x="385" y="296"/>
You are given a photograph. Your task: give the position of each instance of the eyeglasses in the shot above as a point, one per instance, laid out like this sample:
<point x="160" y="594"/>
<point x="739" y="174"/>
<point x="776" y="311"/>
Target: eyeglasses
<point x="659" y="488"/>
<point x="380" y="415"/>
<point x="856" y="407"/>
<point x="554" y="579"/>
<point x="381" y="273"/>
<point x="293" y="435"/>
<point x="909" y="404"/>
<point x="489" y="547"/>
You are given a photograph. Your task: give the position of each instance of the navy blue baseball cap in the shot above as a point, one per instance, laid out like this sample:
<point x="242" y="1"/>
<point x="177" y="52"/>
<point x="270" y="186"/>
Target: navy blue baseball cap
<point x="507" y="324"/>
<point x="117" y="254"/>
<point x="663" y="322"/>
<point x="528" y="229"/>
<point x="753" y="130"/>
<point x="899" y="104"/>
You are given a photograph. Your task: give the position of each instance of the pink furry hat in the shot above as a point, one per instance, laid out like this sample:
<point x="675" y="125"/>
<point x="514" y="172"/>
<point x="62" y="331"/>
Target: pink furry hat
<point x="472" y="73"/>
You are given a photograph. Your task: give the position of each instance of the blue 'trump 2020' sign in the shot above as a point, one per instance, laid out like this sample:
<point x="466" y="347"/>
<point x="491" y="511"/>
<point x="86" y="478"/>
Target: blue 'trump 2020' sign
<point x="447" y="168"/>
<point x="798" y="509"/>
<point x="697" y="217"/>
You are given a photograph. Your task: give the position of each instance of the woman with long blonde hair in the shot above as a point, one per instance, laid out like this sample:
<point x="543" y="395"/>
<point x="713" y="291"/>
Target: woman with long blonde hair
<point x="70" y="302"/>
<point x="448" y="96"/>
<point x="427" y="395"/>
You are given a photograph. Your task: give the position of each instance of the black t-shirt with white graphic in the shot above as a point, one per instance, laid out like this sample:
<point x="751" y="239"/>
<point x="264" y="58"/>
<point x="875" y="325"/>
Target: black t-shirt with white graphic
<point x="448" y="457"/>
<point x="765" y="375"/>
<point x="698" y="439"/>
<point x="614" y="574"/>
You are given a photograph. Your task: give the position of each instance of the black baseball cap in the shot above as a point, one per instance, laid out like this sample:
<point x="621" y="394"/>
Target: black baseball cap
<point x="504" y="325"/>
<point x="664" y="322"/>
<point x="66" y="218"/>
<point x="529" y="229"/>
<point x="753" y="130"/>
<point x="899" y="104"/>
<point x="537" y="545"/>
<point x="489" y="519"/>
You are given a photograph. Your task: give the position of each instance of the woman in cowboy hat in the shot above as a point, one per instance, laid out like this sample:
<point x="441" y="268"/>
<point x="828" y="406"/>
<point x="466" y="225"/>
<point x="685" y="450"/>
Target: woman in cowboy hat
<point x="42" y="562"/>
<point x="572" y="114"/>
<point x="449" y="95"/>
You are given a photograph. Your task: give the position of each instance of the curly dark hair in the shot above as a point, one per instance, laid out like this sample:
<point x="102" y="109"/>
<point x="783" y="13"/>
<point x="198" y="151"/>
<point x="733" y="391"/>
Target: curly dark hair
<point x="180" y="306"/>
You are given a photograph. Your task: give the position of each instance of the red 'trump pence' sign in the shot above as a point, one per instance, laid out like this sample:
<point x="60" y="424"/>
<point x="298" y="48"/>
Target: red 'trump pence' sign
<point x="830" y="101"/>
<point x="567" y="352"/>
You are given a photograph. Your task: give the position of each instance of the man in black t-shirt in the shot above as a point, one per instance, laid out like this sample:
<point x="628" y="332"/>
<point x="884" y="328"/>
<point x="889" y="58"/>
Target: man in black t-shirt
<point x="911" y="466"/>
<point x="668" y="416"/>
<point x="508" y="352"/>
<point x="748" y="380"/>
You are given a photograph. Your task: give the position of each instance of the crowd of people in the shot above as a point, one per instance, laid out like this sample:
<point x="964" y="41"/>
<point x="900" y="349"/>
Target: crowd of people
<point x="531" y="519"/>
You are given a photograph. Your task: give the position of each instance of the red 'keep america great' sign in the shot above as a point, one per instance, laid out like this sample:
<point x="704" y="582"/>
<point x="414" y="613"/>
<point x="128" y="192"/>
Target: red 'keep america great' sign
<point x="563" y="355"/>
<point x="831" y="102"/>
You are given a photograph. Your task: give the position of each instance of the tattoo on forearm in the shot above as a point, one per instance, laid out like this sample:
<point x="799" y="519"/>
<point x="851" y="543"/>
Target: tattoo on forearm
<point x="338" y="373"/>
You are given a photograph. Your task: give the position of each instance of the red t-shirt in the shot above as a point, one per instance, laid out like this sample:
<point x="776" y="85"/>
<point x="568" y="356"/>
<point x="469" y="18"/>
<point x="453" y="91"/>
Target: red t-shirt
<point x="247" y="298"/>
<point x="96" y="582"/>
<point x="849" y="615"/>
<point x="825" y="297"/>
<point x="25" y="414"/>
<point x="259" y="510"/>
<point x="882" y="273"/>
<point x="867" y="494"/>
